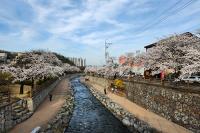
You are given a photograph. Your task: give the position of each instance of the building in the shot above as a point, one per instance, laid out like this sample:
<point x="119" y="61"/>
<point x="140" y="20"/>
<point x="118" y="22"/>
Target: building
<point x="128" y="60"/>
<point x="149" y="46"/>
<point x="122" y="60"/>
<point x="80" y="62"/>
<point x="3" y="57"/>
<point x="20" y="54"/>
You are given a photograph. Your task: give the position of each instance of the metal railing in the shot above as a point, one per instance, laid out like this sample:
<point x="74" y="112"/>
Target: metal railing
<point x="167" y="83"/>
<point x="38" y="88"/>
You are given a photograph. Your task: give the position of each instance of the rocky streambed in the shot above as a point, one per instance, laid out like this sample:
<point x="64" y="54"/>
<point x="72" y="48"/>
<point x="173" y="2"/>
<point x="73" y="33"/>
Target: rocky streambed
<point x="129" y="120"/>
<point x="90" y="116"/>
<point x="88" y="111"/>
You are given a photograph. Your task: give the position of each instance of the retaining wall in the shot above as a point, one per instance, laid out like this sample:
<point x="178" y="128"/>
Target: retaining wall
<point x="35" y="101"/>
<point x="180" y="107"/>
<point x="129" y="120"/>
<point x="6" y="116"/>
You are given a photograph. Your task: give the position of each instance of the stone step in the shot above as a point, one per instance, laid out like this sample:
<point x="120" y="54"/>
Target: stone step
<point x="3" y="103"/>
<point x="19" y="110"/>
<point x="21" y="117"/>
<point x="15" y="104"/>
<point x="3" y="94"/>
<point x="3" y="100"/>
<point x="4" y="97"/>
<point x="19" y="114"/>
<point x="25" y="111"/>
<point x="15" y="118"/>
<point x="30" y="113"/>
<point x="18" y="121"/>
<point x="16" y="107"/>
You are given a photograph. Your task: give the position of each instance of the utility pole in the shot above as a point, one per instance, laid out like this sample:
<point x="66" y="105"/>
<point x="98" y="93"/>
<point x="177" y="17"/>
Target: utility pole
<point x="106" y="52"/>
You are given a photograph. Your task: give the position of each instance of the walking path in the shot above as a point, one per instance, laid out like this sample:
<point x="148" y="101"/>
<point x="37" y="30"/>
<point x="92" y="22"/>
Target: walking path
<point x="154" y="120"/>
<point x="46" y="111"/>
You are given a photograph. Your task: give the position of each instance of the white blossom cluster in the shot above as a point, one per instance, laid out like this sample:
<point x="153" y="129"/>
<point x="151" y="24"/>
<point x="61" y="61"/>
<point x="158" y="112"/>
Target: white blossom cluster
<point x="109" y="71"/>
<point x="36" y="65"/>
<point x="69" y="68"/>
<point x="179" y="53"/>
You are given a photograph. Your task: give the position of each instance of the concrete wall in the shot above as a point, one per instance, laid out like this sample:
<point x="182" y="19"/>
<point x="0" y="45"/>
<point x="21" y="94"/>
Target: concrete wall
<point x="182" y="108"/>
<point x="15" y="89"/>
<point x="35" y="101"/>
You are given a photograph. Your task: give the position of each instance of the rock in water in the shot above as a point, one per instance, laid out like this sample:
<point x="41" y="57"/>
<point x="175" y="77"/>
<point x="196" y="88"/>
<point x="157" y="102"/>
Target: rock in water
<point x="126" y="122"/>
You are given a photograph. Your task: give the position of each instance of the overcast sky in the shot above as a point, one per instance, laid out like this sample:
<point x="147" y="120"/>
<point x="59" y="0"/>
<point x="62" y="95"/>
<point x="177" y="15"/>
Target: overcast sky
<point x="79" y="28"/>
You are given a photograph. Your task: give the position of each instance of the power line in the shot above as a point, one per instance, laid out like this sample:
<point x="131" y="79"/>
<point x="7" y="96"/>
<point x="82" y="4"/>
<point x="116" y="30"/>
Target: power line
<point x="178" y="10"/>
<point x="175" y="11"/>
<point x="166" y="10"/>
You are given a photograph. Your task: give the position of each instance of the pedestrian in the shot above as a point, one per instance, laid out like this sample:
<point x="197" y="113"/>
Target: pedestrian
<point x="50" y="97"/>
<point x="115" y="76"/>
<point x="105" y="91"/>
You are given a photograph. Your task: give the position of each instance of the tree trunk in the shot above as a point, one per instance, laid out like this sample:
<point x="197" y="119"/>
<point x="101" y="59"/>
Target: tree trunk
<point x="22" y="87"/>
<point x="32" y="83"/>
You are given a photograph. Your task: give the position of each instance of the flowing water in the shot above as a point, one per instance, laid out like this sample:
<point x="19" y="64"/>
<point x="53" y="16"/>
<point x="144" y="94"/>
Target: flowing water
<point x="90" y="116"/>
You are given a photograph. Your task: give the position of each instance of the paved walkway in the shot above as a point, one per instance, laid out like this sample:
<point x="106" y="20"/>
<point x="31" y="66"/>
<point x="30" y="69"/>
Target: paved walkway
<point x="46" y="111"/>
<point x="154" y="120"/>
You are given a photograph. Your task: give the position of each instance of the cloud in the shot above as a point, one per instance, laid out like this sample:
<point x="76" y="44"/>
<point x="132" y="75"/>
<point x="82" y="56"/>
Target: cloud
<point x="80" y="27"/>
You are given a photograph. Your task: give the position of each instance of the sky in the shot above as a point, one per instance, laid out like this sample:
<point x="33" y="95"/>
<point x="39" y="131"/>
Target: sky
<point x="79" y="28"/>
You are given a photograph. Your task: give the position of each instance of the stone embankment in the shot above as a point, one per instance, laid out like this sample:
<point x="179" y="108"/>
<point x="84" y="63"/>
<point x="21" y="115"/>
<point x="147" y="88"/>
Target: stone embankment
<point x="21" y="109"/>
<point x="180" y="107"/>
<point x="16" y="112"/>
<point x="12" y="114"/>
<point x="127" y="118"/>
<point x="60" y="122"/>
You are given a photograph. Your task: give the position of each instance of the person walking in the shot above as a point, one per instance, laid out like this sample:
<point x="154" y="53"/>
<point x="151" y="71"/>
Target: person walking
<point x="50" y="97"/>
<point x="105" y="91"/>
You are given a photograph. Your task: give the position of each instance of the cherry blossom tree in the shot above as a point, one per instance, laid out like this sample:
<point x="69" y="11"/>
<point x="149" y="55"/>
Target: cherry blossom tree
<point x="33" y="65"/>
<point x="68" y="68"/>
<point x="108" y="71"/>
<point x="176" y="52"/>
<point x="191" y="62"/>
<point x="139" y="58"/>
